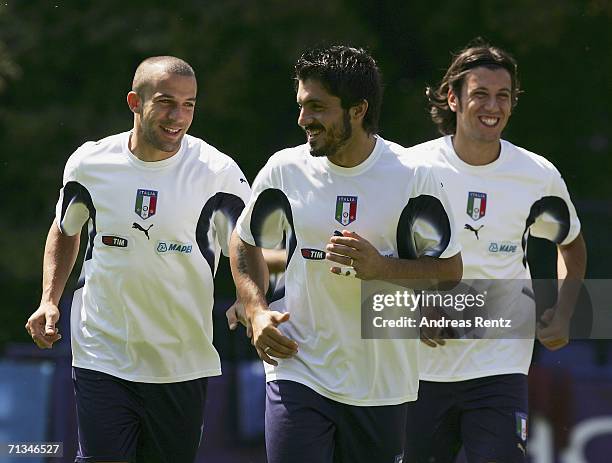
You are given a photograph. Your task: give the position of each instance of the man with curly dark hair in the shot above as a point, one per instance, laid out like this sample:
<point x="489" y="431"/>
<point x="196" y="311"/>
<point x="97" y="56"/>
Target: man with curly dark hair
<point x="473" y="392"/>
<point x="348" y="197"/>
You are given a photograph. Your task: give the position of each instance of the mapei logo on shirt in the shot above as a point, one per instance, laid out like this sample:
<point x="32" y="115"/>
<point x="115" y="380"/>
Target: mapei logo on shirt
<point x="167" y="247"/>
<point x="476" y="205"/>
<point x="346" y="209"/>
<point x="312" y="254"/>
<point x="505" y="247"/>
<point x="146" y="203"/>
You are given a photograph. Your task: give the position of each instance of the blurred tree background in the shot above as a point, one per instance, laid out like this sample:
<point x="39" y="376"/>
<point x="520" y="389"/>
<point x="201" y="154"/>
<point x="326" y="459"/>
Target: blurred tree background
<point x="66" y="66"/>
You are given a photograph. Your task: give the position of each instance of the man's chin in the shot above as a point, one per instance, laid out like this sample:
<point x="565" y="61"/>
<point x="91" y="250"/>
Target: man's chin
<point x="317" y="153"/>
<point x="169" y="147"/>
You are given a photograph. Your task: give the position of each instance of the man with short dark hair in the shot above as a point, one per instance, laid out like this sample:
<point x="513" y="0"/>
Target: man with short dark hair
<point x="473" y="392"/>
<point x="161" y="206"/>
<point x="346" y="196"/>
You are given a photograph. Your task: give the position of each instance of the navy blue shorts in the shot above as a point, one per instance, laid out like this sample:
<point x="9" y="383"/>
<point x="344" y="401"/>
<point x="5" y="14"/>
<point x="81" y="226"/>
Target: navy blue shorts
<point x="302" y="426"/>
<point x="125" y="421"/>
<point x="487" y="416"/>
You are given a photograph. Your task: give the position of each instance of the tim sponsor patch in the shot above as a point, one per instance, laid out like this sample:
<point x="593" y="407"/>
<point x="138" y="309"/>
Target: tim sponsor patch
<point x="312" y="254"/>
<point x="115" y="241"/>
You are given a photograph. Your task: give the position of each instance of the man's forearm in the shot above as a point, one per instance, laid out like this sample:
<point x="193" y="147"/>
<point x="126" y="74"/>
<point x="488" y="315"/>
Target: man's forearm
<point x="276" y="259"/>
<point x="424" y="268"/>
<point x="59" y="258"/>
<point x="250" y="275"/>
<point x="571" y="268"/>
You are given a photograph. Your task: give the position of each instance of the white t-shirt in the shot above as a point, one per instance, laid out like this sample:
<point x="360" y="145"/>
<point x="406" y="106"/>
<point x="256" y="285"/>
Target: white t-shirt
<point x="495" y="208"/>
<point x="143" y="310"/>
<point x="307" y="198"/>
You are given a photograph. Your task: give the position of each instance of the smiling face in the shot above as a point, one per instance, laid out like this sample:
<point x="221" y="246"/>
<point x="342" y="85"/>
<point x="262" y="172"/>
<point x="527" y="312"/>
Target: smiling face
<point x="484" y="107"/>
<point x="164" y="112"/>
<point x="327" y="125"/>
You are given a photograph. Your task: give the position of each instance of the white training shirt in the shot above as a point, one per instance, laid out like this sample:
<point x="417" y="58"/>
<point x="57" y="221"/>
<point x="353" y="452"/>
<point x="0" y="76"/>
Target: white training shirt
<point x="307" y="198"/>
<point x="143" y="310"/>
<point x="517" y="195"/>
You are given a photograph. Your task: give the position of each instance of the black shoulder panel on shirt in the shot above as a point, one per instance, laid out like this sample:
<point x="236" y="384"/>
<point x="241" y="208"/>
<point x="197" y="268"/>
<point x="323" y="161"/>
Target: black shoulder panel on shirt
<point x="428" y="209"/>
<point x="555" y="207"/>
<point x="75" y="193"/>
<point x="230" y="206"/>
<point x="268" y="202"/>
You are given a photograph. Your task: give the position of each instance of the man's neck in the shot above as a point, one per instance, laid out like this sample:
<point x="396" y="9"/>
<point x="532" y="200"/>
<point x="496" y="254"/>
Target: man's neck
<point x="144" y="151"/>
<point x="356" y="150"/>
<point x="476" y="153"/>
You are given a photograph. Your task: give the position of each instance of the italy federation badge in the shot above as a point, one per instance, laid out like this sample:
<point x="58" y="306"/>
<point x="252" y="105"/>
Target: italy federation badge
<point x="346" y="209"/>
<point x="476" y="205"/>
<point x="146" y="203"/>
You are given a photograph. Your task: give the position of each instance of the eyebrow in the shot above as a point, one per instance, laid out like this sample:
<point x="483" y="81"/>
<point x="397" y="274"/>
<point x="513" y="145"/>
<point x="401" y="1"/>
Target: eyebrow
<point x="310" y="101"/>
<point x="167" y="95"/>
<point x="504" y="89"/>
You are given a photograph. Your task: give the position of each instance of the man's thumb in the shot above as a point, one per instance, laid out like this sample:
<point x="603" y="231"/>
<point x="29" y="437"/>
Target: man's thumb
<point x="547" y="316"/>
<point x="281" y="317"/>
<point x="232" y="321"/>
<point x="49" y="324"/>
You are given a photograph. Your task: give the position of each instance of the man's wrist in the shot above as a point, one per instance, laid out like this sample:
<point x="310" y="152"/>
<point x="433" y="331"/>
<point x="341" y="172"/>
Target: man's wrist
<point x="251" y="313"/>
<point x="48" y="302"/>
<point x="384" y="268"/>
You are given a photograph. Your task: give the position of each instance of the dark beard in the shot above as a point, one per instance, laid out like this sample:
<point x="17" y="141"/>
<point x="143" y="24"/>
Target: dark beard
<point x="333" y="146"/>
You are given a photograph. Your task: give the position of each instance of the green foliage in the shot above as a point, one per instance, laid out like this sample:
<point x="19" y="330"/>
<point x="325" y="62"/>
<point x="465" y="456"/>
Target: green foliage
<point x="65" y="68"/>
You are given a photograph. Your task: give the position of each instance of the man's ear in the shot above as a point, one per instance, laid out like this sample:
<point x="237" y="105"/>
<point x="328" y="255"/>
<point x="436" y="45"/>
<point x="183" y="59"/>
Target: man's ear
<point x="359" y="111"/>
<point x="134" y="102"/>
<point x="453" y="101"/>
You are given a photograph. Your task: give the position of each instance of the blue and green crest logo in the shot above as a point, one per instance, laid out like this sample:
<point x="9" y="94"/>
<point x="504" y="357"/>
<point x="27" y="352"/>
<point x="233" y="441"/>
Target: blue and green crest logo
<point x="346" y="209"/>
<point x="146" y="203"/>
<point x="476" y="205"/>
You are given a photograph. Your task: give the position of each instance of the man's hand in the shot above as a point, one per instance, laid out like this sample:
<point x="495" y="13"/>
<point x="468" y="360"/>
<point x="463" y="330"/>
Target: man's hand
<point x="352" y="250"/>
<point x="434" y="336"/>
<point x="553" y="330"/>
<point x="268" y="339"/>
<point x="236" y="314"/>
<point x="41" y="326"/>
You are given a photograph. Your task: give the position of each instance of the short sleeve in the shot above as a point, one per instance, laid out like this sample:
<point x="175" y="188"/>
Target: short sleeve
<point x="265" y="218"/>
<point x="426" y="227"/>
<point x="74" y="205"/>
<point x="234" y="193"/>
<point x="553" y="217"/>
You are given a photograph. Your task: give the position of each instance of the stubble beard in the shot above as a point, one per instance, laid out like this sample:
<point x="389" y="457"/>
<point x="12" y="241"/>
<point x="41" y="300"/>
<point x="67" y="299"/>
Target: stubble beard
<point x="153" y="139"/>
<point x="337" y="141"/>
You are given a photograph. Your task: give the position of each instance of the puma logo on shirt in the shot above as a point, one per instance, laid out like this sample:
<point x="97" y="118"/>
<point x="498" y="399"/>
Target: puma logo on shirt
<point x="138" y="227"/>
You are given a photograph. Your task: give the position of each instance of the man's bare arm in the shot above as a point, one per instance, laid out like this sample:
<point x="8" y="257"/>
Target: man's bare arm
<point x="250" y="274"/>
<point x="59" y="257"/>
<point x="276" y="261"/>
<point x="357" y="252"/>
<point x="251" y="278"/>
<point x="571" y="268"/>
